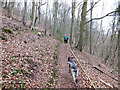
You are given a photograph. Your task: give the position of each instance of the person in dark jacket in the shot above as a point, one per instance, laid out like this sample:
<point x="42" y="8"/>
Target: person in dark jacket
<point x="65" y="39"/>
<point x="73" y="69"/>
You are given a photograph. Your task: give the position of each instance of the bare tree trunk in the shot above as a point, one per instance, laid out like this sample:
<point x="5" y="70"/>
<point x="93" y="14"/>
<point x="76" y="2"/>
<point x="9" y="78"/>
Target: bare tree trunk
<point x="33" y="11"/>
<point x="64" y="21"/>
<point x="55" y="17"/>
<point x="119" y="42"/>
<point x="1" y="42"/>
<point x="102" y="32"/>
<point x="50" y="21"/>
<point x="10" y="8"/>
<point x="25" y="10"/>
<point x="0" y="13"/>
<point x="72" y="21"/>
<point x="113" y="27"/>
<point x="78" y="16"/>
<point x="35" y="17"/>
<point x="91" y="28"/>
<point x="111" y="41"/>
<point x="5" y="4"/>
<point x="82" y="25"/>
<point x="39" y="10"/>
<point x="46" y="19"/>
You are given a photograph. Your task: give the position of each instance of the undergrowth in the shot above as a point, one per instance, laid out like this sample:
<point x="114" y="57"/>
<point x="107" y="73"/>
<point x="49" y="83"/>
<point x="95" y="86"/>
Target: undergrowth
<point x="53" y="80"/>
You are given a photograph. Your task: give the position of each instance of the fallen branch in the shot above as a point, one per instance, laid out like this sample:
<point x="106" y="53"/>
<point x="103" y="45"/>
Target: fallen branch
<point x="98" y="69"/>
<point x="104" y="73"/>
<point x="107" y="84"/>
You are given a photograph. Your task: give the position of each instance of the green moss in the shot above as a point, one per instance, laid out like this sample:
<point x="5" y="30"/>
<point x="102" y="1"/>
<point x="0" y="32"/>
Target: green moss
<point x="54" y="69"/>
<point x="42" y="54"/>
<point x="5" y="76"/>
<point x="106" y="58"/>
<point x="35" y="32"/>
<point x="14" y="72"/>
<point x="3" y="38"/>
<point x="11" y="87"/>
<point x="51" y="80"/>
<point x="23" y="85"/>
<point x="7" y="30"/>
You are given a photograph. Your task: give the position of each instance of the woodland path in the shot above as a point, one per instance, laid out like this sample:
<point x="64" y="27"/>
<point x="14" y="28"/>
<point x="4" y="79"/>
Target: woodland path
<point x="64" y="78"/>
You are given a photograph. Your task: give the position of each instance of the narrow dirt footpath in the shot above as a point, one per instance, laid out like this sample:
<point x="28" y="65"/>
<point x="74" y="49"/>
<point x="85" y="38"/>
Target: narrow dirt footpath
<point x="64" y="79"/>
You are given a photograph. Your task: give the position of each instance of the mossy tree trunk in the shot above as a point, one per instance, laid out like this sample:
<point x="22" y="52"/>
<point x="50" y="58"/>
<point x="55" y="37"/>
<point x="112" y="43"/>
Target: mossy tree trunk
<point x="82" y="25"/>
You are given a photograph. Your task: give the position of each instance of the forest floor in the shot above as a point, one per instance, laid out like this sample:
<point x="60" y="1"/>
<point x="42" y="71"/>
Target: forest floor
<point x="32" y="62"/>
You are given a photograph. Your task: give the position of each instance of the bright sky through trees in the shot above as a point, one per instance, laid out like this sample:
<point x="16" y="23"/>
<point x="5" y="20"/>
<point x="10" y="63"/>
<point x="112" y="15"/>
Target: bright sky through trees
<point x="107" y="5"/>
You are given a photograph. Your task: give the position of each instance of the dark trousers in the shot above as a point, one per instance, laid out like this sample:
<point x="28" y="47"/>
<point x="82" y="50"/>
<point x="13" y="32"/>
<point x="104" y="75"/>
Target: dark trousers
<point x="65" y="40"/>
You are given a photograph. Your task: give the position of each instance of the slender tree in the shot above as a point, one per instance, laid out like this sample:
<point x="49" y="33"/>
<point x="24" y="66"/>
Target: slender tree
<point x="5" y="4"/>
<point x="33" y="11"/>
<point x="91" y="3"/>
<point x="10" y="8"/>
<point x="46" y="19"/>
<point x="25" y="11"/>
<point x="39" y="10"/>
<point x="0" y="13"/>
<point x="119" y="39"/>
<point x="72" y="21"/>
<point x="55" y="17"/>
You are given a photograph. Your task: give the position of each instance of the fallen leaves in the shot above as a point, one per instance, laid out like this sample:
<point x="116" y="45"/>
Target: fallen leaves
<point x="26" y="61"/>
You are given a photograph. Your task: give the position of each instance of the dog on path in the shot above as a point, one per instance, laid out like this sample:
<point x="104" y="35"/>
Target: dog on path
<point x="73" y="69"/>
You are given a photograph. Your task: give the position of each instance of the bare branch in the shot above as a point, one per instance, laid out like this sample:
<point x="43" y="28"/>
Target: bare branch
<point x="40" y="4"/>
<point x="102" y="16"/>
<point x="93" y="5"/>
<point x="43" y="3"/>
<point x="79" y="4"/>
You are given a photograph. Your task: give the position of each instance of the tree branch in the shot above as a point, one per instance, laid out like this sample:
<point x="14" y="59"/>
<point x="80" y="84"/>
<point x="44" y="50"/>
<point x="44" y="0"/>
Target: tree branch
<point x="102" y="16"/>
<point x="79" y="4"/>
<point x="93" y="5"/>
<point x="41" y="4"/>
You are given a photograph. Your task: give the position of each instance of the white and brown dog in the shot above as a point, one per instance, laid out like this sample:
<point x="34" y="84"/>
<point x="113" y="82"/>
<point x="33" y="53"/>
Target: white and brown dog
<point x="73" y="69"/>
